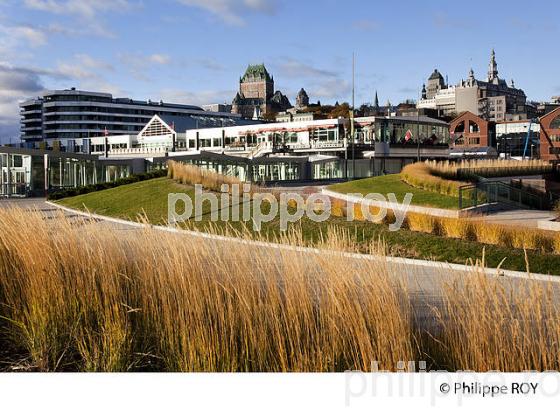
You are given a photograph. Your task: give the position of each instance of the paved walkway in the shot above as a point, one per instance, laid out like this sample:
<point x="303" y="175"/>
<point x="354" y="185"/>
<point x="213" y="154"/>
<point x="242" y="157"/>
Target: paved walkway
<point x="518" y="217"/>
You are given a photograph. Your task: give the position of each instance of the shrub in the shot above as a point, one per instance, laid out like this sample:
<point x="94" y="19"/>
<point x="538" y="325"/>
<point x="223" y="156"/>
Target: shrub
<point x="86" y="189"/>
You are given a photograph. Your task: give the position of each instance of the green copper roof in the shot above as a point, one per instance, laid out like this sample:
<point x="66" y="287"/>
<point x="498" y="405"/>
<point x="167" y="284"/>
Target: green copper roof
<point x="257" y="71"/>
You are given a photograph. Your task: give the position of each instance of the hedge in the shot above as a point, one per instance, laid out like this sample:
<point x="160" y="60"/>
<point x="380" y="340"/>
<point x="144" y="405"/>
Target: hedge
<point x="86" y="189"/>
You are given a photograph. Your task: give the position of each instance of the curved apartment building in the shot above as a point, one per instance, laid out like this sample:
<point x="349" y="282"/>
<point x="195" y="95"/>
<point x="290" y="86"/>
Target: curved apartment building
<point x="73" y="114"/>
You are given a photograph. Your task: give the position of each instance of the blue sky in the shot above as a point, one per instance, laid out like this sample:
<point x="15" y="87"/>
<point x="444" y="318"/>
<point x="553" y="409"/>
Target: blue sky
<point x="194" y="51"/>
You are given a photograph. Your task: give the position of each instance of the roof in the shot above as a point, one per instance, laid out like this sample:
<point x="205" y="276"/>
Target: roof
<point x="257" y="71"/>
<point x="436" y="75"/>
<point x="182" y="123"/>
<point x="414" y="119"/>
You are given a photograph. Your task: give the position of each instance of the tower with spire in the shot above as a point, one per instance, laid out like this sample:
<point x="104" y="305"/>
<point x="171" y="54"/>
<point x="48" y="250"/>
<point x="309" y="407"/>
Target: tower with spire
<point x="493" y="68"/>
<point x="376" y="102"/>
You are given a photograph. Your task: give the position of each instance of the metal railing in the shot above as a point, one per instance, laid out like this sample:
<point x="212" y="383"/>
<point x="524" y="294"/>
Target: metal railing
<point x="496" y="172"/>
<point x="488" y="192"/>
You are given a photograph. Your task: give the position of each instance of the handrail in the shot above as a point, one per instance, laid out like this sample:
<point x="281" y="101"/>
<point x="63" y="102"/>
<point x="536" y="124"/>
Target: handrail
<point x="497" y="191"/>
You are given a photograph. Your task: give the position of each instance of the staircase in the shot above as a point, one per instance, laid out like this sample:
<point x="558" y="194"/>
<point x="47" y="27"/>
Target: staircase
<point x="260" y="150"/>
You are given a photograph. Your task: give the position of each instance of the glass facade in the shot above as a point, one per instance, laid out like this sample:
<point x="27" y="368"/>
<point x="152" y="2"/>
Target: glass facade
<point x="277" y="170"/>
<point x="395" y="132"/>
<point x="23" y="174"/>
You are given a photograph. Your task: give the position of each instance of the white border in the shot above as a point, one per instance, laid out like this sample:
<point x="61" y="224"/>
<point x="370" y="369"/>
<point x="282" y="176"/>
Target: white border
<point x="390" y="259"/>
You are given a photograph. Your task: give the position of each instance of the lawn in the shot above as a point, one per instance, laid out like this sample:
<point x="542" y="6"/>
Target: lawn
<point x="132" y="200"/>
<point x="150" y="198"/>
<point x="392" y="183"/>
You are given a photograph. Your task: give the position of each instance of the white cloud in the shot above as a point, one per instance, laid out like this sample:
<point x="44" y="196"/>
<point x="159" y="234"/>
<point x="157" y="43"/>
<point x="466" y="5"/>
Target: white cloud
<point x="87" y="9"/>
<point x="87" y="12"/>
<point x="83" y="66"/>
<point x="297" y="69"/>
<point x="162" y="59"/>
<point x="139" y="64"/>
<point x="33" y="36"/>
<point x="331" y="90"/>
<point x="197" y="97"/>
<point x="17" y="40"/>
<point x="232" y="11"/>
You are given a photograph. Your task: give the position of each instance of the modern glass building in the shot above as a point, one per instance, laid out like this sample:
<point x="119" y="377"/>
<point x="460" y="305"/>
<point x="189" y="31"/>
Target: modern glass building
<point x="74" y="114"/>
<point x="25" y="172"/>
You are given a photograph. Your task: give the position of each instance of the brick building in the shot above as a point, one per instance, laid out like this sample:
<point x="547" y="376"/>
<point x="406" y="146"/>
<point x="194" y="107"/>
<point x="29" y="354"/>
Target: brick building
<point x="550" y="136"/>
<point x="469" y="130"/>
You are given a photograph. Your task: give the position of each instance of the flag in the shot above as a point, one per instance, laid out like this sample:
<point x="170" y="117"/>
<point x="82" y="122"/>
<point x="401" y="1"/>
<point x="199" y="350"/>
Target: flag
<point x="408" y="135"/>
<point x="105" y="132"/>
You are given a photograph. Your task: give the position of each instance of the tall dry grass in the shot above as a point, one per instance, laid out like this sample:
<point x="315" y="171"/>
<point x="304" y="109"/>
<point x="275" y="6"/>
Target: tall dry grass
<point x="78" y="295"/>
<point x="489" y="167"/>
<point x="91" y="298"/>
<point x="489" y="325"/>
<point x="193" y="175"/>
<point x="443" y="176"/>
<point x="420" y="175"/>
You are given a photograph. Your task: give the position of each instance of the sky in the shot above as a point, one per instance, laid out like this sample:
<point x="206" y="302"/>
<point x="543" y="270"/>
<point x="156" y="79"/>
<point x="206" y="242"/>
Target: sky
<point x="194" y="51"/>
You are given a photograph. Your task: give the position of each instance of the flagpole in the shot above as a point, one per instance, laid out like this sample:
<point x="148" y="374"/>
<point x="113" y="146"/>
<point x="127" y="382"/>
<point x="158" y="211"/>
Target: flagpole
<point x="418" y="131"/>
<point x="352" y="118"/>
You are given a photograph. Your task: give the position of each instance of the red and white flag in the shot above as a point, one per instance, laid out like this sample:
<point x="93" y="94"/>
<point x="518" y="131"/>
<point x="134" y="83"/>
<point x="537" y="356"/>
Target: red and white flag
<point x="105" y="132"/>
<point x="408" y="135"/>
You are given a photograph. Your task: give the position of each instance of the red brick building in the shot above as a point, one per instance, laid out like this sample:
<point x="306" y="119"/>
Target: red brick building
<point x="469" y="130"/>
<point x="550" y="136"/>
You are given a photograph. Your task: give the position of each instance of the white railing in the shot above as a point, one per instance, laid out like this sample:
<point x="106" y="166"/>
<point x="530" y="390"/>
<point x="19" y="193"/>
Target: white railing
<point x="261" y="149"/>
<point x="328" y="144"/>
<point x="139" y="150"/>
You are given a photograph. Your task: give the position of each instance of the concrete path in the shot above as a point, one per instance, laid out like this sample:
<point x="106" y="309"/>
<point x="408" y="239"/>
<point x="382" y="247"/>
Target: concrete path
<point x="518" y="217"/>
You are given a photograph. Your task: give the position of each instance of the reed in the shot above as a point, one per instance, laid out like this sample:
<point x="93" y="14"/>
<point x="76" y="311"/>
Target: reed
<point x="420" y="175"/>
<point x="457" y="228"/>
<point x="488" y="168"/>
<point x="556" y="243"/>
<point x="532" y="239"/>
<point x="495" y="325"/>
<point x="75" y="296"/>
<point x="192" y="175"/>
<point x="423" y="223"/>
<point x="492" y="234"/>
<point x="80" y="296"/>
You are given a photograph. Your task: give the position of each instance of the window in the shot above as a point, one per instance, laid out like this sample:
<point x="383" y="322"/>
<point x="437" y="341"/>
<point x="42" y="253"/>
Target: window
<point x="473" y="127"/>
<point x="460" y="127"/>
<point x="555" y="124"/>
